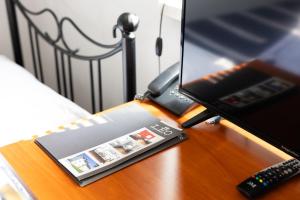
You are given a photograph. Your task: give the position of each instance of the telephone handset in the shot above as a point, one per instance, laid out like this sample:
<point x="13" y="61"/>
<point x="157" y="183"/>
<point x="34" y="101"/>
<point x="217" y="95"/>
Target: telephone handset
<point x="163" y="90"/>
<point x="161" y="83"/>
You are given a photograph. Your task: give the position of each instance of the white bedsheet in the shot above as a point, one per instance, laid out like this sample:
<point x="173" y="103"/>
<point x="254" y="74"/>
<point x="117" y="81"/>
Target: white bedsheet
<point x="27" y="107"/>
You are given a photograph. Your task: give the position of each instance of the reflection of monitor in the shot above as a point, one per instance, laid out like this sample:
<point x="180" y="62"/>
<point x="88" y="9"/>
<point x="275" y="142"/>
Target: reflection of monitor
<point x="241" y="59"/>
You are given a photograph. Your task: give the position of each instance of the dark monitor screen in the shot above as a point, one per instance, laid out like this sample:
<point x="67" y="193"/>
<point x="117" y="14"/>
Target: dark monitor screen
<point x="241" y="59"/>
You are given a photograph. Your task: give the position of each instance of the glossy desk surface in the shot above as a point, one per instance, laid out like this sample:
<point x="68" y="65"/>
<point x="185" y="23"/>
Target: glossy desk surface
<point x="208" y="165"/>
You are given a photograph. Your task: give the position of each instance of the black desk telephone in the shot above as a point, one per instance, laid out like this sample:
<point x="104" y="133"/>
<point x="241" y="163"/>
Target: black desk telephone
<point x="163" y="90"/>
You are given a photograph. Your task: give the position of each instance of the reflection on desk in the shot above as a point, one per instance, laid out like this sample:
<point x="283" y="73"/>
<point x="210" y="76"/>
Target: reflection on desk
<point x="208" y="165"/>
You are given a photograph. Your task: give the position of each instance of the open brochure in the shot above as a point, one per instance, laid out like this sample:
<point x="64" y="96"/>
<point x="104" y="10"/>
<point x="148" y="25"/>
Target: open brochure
<point x="126" y="136"/>
<point x="11" y="186"/>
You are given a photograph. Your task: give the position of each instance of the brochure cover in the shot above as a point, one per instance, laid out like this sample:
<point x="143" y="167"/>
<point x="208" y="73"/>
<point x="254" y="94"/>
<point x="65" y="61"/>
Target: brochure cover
<point x="123" y="137"/>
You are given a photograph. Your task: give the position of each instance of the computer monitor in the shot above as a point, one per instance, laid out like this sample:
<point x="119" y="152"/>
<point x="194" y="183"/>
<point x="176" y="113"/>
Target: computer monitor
<point x="241" y="59"/>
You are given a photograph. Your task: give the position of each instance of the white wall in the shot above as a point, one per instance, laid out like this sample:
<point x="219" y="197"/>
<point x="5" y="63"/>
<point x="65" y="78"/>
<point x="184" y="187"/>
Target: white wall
<point x="96" y="18"/>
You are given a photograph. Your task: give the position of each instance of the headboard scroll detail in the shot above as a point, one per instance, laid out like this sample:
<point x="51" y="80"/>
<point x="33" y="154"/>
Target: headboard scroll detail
<point x="127" y="23"/>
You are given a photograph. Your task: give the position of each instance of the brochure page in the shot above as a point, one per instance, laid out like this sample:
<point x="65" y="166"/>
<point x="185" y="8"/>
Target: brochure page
<point x="90" y="150"/>
<point x="107" y="155"/>
<point x="11" y="187"/>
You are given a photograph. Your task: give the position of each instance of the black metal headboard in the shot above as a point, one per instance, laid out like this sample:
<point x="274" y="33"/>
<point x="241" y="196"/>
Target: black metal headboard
<point x="127" y="24"/>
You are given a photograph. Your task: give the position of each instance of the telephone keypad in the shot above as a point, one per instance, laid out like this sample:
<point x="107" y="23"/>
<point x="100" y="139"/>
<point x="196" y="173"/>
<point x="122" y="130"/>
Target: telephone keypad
<point x="176" y="93"/>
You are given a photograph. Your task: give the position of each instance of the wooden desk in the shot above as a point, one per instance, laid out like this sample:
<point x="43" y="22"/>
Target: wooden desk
<point x="208" y="165"/>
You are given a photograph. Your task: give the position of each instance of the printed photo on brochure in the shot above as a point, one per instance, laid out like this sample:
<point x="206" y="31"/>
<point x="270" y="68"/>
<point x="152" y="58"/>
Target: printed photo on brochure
<point x="109" y="152"/>
<point x="82" y="163"/>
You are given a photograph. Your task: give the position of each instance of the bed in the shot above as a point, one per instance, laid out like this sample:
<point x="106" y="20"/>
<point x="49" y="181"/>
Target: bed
<point x="28" y="106"/>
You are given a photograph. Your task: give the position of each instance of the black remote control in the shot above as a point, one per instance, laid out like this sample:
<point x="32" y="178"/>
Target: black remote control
<point x="264" y="180"/>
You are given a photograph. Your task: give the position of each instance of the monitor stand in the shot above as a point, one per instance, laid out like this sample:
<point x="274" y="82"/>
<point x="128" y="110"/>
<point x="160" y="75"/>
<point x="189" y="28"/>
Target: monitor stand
<point x="212" y="118"/>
